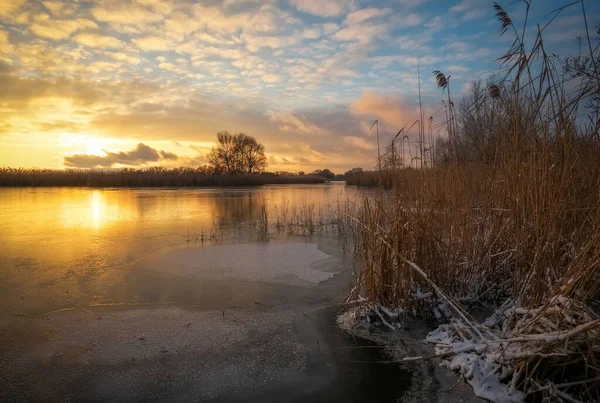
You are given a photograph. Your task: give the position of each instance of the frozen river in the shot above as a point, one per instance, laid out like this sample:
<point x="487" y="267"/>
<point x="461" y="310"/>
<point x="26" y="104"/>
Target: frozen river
<point x="103" y="297"/>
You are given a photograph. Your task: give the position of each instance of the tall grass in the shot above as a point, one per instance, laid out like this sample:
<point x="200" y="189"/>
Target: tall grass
<point x="508" y="216"/>
<point x="151" y="177"/>
<point x="304" y="219"/>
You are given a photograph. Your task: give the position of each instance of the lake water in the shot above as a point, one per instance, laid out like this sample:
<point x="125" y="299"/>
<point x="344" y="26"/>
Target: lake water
<point x="65" y="246"/>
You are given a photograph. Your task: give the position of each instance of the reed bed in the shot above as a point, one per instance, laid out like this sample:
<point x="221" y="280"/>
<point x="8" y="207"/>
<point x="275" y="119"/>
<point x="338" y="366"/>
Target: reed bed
<point x="505" y="215"/>
<point x="303" y="219"/>
<point x="150" y="177"/>
<point x="383" y="179"/>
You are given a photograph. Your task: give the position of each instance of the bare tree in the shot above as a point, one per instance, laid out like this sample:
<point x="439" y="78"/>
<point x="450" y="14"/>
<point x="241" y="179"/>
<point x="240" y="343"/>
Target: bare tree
<point x="237" y="153"/>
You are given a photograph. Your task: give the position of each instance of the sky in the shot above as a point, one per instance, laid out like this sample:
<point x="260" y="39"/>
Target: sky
<point x="112" y="83"/>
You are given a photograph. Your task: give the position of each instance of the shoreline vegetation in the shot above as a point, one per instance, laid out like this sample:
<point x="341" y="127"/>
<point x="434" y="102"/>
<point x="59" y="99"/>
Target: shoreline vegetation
<point x="502" y="214"/>
<point x="151" y="177"/>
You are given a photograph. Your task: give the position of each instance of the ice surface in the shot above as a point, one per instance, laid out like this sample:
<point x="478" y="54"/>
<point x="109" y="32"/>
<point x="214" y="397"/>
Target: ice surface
<point x="291" y="263"/>
<point x="203" y="354"/>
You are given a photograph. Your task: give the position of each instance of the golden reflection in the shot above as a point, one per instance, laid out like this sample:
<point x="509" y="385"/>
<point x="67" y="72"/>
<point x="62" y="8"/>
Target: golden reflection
<point x="96" y="208"/>
<point x="92" y="209"/>
<point x="86" y="238"/>
<point x="67" y="224"/>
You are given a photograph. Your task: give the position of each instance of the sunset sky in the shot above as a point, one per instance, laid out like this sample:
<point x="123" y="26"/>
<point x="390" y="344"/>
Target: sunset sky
<point x="111" y="83"/>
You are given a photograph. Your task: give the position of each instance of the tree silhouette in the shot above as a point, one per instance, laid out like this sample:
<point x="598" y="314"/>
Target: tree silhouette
<point x="325" y="173"/>
<point x="237" y="153"/>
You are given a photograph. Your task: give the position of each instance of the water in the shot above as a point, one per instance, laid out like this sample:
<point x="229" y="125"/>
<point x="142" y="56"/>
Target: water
<point x="66" y="246"/>
<point x="105" y="296"/>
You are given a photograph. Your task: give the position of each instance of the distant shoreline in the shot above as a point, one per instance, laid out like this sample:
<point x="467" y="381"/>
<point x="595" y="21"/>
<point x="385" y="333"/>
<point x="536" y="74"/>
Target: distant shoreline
<point x="129" y="178"/>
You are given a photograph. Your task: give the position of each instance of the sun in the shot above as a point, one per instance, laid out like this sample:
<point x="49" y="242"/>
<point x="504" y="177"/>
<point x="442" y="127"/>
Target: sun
<point x="83" y="143"/>
<point x="95" y="145"/>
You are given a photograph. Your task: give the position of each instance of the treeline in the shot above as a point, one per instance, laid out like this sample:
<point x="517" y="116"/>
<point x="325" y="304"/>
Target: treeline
<point x="330" y="175"/>
<point x="151" y="177"/>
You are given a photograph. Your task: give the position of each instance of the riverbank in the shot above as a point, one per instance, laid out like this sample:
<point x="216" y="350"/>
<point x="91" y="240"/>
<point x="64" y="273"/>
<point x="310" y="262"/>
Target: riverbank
<point x="151" y="177"/>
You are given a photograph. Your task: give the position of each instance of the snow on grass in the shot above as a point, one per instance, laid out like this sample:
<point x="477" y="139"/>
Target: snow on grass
<point x="499" y="357"/>
<point x="513" y="341"/>
<point x="470" y="361"/>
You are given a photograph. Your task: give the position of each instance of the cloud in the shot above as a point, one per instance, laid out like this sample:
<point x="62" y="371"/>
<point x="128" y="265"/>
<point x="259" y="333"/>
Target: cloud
<point x="152" y="43"/>
<point x="411" y="3"/>
<point x="254" y="43"/>
<point x="475" y="14"/>
<point x="308" y="150"/>
<point x="5" y="45"/>
<point x="58" y="29"/>
<point x="464" y="5"/>
<point x="265" y="20"/>
<point x="363" y="33"/>
<point x="330" y="27"/>
<point x="98" y="41"/>
<point x="140" y="155"/>
<point x="471" y="9"/>
<point x="324" y="8"/>
<point x="270" y="78"/>
<point x="172" y="68"/>
<point x="390" y="110"/>
<point x="289" y="122"/>
<point x="359" y="142"/>
<point x="116" y="11"/>
<point x="435" y="24"/>
<point x="407" y="21"/>
<point x="365" y="14"/>
<point x="279" y="160"/>
<point x="457" y="69"/>
<point x="24" y="93"/>
<point x="9" y="6"/>
<point x="311" y="33"/>
<point x="122" y="57"/>
<point x="60" y="9"/>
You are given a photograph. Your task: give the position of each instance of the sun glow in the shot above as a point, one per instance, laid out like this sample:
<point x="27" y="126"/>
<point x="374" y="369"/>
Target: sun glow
<point x="95" y="146"/>
<point x="83" y="143"/>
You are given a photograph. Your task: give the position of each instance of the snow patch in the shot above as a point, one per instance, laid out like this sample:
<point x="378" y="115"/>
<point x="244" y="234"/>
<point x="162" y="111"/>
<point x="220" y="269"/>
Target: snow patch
<point x="469" y="360"/>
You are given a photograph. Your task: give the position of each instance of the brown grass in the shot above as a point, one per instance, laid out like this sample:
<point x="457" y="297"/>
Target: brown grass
<point x="509" y="215"/>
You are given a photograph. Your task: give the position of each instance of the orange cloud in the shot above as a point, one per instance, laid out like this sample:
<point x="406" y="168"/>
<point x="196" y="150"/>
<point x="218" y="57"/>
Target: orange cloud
<point x="58" y="29"/>
<point x="8" y="6"/>
<point x="390" y="110"/>
<point x="290" y="122"/>
<point x="98" y="41"/>
<point x="359" y="142"/>
<point x="152" y="43"/>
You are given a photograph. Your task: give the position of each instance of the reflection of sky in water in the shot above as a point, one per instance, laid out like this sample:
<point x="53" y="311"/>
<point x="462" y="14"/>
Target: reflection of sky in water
<point x="85" y="240"/>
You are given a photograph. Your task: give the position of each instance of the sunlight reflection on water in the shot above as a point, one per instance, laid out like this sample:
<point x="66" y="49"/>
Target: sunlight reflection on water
<point x="83" y="241"/>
